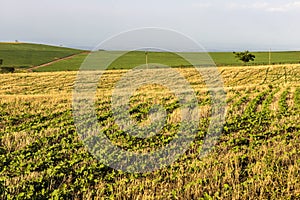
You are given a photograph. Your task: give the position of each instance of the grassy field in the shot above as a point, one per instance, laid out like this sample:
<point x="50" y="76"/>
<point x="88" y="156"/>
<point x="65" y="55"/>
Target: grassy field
<point x="128" y="61"/>
<point x="256" y="157"/>
<point x="133" y="59"/>
<point x="72" y="64"/>
<point x="25" y="55"/>
<point x="262" y="58"/>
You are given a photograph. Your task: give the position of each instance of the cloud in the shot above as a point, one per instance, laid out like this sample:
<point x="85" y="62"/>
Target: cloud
<point x="266" y="6"/>
<point x="202" y="5"/>
<point x="285" y="8"/>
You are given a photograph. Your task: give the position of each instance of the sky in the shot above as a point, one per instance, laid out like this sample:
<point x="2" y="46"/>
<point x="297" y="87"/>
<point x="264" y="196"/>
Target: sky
<point x="223" y="25"/>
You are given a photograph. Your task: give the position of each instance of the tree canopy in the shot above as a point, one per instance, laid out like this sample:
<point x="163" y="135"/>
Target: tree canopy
<point x="244" y="56"/>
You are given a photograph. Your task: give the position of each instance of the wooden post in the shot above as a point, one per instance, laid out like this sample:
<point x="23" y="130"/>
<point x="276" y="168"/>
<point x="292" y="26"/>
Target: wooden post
<point x="146" y="54"/>
<point x="270" y="56"/>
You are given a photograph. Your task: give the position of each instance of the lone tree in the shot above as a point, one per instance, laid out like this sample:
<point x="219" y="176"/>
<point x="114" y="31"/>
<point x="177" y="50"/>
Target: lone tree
<point x="245" y="56"/>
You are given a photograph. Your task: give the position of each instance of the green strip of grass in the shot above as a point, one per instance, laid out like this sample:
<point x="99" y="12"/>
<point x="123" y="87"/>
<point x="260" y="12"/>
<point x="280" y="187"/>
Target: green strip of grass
<point x="262" y="58"/>
<point x="71" y="64"/>
<point x="24" y="55"/>
<point x="136" y="58"/>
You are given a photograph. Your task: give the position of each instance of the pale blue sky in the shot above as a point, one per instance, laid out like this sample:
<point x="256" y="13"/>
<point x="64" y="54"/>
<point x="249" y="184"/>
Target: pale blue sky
<point x="223" y="25"/>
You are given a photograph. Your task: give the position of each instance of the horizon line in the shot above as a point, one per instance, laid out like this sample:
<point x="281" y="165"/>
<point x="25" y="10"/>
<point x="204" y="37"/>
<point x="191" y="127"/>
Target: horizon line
<point x="90" y="48"/>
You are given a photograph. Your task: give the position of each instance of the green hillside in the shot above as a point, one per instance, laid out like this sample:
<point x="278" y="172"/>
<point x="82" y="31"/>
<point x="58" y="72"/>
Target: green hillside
<point x="136" y="58"/>
<point x="25" y="55"/>
<point x="72" y="64"/>
<point x="262" y="58"/>
<point x="127" y="61"/>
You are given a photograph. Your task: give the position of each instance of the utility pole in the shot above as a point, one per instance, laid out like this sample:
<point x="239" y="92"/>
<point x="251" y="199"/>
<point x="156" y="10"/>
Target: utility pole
<point x="146" y="54"/>
<point x="270" y="56"/>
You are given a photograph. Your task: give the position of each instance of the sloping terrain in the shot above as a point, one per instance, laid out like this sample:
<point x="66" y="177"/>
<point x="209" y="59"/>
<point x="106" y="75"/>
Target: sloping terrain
<point x="25" y="55"/>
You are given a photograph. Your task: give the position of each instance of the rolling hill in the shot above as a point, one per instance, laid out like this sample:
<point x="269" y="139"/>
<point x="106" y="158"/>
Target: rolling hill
<point x="26" y="55"/>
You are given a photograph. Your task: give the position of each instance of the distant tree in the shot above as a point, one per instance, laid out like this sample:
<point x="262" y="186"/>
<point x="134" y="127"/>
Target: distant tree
<point x="245" y="56"/>
<point x="1" y="61"/>
<point x="7" y="69"/>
